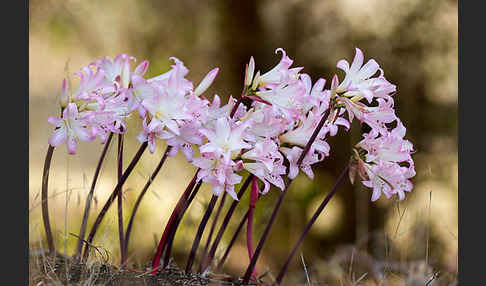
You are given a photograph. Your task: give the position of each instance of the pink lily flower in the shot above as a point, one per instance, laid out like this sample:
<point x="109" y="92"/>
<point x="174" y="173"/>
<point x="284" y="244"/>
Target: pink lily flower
<point x="69" y="128"/>
<point x="225" y="140"/>
<point x="293" y="154"/>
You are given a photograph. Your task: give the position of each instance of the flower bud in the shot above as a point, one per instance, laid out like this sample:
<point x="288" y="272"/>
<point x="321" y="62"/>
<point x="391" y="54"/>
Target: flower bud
<point x="206" y="82"/>
<point x="125" y="74"/>
<point x="249" y="72"/>
<point x="64" y="97"/>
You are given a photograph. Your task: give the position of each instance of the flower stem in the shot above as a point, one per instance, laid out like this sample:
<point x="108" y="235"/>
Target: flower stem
<point x="141" y="195"/>
<point x="120" y="201"/>
<point x="163" y="240"/>
<point x="89" y="199"/>
<point x="178" y="220"/>
<point x="199" y="233"/>
<point x="225" y="222"/>
<point x="309" y="225"/>
<point x="211" y="231"/>
<point x="249" y="224"/>
<point x="233" y="239"/>
<point x="251" y="266"/>
<point x="44" y="196"/>
<point x="112" y="197"/>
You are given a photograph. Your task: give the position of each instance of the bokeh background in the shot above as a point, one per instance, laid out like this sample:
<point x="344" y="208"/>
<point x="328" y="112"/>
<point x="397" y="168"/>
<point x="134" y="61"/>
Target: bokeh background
<point x="414" y="41"/>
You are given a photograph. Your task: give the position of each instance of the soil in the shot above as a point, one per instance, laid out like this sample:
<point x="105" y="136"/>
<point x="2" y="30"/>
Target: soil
<point x="61" y="270"/>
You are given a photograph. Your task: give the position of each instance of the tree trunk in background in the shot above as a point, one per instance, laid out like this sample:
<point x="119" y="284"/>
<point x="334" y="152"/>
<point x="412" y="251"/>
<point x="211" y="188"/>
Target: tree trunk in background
<point x="243" y="37"/>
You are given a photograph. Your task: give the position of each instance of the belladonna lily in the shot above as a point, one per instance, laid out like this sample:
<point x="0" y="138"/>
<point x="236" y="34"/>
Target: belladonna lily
<point x="118" y="69"/>
<point x="265" y="152"/>
<point x="278" y="74"/>
<point x="216" y="111"/>
<point x="389" y="179"/>
<point x="175" y="77"/>
<point x="389" y="147"/>
<point x="267" y="123"/>
<point x="301" y="135"/>
<point x="266" y="175"/>
<point x="293" y="154"/>
<point x="380" y="160"/>
<point x="189" y="134"/>
<point x="314" y="94"/>
<point x="92" y="84"/>
<point x="167" y="109"/>
<point x="69" y="128"/>
<point x="376" y="117"/>
<point x="220" y="174"/>
<point x="149" y="133"/>
<point x="224" y="140"/>
<point x="286" y="98"/>
<point x="358" y="81"/>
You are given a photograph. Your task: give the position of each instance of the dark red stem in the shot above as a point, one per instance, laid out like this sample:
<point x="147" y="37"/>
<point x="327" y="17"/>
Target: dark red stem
<point x="309" y="225"/>
<point x="173" y="216"/>
<point x="225" y="222"/>
<point x="211" y="231"/>
<point x="251" y="266"/>
<point x="120" y="201"/>
<point x="141" y="195"/>
<point x="44" y="197"/>
<point x="233" y="239"/>
<point x="89" y="199"/>
<point x="112" y="197"/>
<point x="200" y="232"/>
<point x="178" y="220"/>
<point x="249" y="225"/>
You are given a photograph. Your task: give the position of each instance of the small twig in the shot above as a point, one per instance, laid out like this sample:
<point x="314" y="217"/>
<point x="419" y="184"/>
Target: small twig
<point x="305" y="269"/>
<point x="90" y="245"/>
<point x="428" y="231"/>
<point x="435" y="276"/>
<point x="351" y="262"/>
<point x="360" y="278"/>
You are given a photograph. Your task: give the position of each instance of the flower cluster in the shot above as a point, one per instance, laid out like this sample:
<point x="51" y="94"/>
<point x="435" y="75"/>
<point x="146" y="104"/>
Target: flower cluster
<point x="383" y="158"/>
<point x="384" y="162"/>
<point x="265" y="138"/>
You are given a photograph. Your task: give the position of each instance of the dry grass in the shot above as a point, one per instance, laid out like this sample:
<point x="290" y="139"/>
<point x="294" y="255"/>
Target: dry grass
<point x="348" y="266"/>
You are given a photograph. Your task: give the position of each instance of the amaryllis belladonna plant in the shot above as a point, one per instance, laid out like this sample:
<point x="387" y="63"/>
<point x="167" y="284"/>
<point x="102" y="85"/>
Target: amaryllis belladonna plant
<point x="278" y="127"/>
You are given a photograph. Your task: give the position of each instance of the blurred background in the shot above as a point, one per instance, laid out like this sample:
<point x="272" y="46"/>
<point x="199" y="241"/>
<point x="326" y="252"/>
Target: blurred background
<point x="414" y="41"/>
